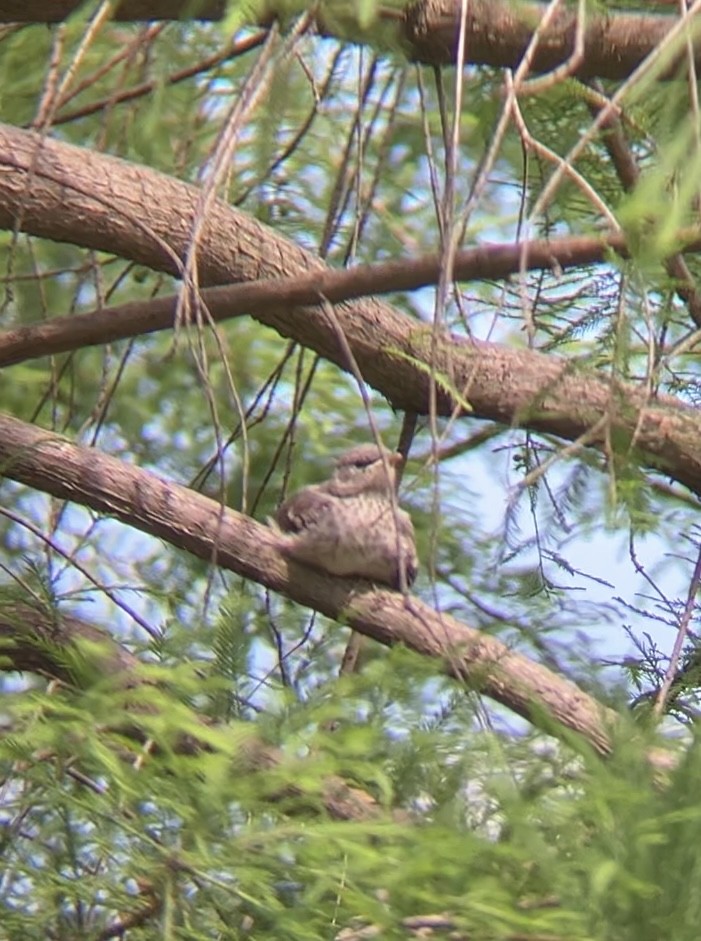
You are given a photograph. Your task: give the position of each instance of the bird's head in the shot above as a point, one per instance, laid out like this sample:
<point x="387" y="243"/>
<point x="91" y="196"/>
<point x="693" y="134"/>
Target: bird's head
<point x="366" y="469"/>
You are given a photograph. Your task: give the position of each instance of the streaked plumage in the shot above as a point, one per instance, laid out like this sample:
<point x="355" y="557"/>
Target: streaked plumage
<point x="347" y="526"/>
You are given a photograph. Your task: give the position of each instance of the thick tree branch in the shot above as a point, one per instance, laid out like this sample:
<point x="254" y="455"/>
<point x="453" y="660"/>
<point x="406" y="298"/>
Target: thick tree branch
<point x="193" y="522"/>
<point x="70" y="194"/>
<point x="497" y="32"/>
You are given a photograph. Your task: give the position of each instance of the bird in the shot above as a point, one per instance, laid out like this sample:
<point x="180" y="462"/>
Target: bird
<point x="349" y="525"/>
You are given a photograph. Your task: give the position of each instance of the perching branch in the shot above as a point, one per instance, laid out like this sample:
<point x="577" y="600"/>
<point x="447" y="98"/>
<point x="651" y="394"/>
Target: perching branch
<point x="190" y="521"/>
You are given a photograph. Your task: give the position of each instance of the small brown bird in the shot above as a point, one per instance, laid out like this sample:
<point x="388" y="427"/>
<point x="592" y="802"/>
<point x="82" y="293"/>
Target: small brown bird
<point x="347" y="525"/>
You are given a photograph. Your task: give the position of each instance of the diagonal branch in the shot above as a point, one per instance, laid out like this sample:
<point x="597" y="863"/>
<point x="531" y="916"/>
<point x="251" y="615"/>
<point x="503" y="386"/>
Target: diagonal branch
<point x="70" y="194"/>
<point x="203" y="527"/>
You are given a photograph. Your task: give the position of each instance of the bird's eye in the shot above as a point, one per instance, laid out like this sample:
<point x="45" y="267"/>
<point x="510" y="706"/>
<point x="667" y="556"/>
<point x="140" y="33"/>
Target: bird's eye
<point x="358" y="459"/>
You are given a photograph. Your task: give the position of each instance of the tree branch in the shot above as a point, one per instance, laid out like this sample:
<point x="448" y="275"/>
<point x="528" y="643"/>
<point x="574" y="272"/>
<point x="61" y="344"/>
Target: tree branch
<point x="70" y="194"/>
<point x="262" y="298"/>
<point x="497" y="32"/>
<point x="193" y="522"/>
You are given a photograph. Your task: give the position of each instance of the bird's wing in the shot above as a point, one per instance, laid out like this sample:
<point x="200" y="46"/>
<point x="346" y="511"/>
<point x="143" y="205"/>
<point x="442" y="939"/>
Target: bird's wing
<point x="406" y="526"/>
<point x="411" y="562"/>
<point x="303" y="510"/>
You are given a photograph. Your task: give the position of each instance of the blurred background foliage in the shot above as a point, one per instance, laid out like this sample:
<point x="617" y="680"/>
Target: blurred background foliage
<point x="581" y="560"/>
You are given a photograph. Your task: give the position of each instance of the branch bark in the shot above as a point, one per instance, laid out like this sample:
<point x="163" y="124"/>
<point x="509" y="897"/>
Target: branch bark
<point x="190" y="521"/>
<point x="497" y="32"/>
<point x="70" y="194"/>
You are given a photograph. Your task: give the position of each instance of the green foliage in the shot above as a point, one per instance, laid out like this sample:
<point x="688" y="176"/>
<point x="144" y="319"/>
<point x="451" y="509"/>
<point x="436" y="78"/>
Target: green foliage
<point x="500" y="839"/>
<point x="234" y="786"/>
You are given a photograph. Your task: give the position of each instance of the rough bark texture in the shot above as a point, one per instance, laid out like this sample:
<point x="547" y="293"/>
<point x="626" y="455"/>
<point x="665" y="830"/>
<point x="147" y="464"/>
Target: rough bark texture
<point x="497" y="32"/>
<point x="186" y="519"/>
<point x="70" y="194"/>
